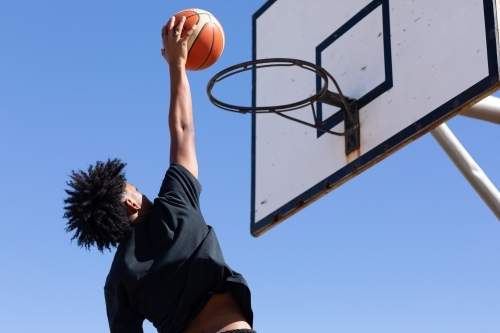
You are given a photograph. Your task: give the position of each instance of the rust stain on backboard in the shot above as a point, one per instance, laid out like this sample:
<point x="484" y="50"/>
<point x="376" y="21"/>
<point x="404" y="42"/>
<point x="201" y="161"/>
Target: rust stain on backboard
<point x="356" y="153"/>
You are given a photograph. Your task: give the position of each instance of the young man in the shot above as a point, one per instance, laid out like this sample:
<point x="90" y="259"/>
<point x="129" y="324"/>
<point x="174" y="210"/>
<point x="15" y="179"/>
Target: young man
<point x="168" y="267"/>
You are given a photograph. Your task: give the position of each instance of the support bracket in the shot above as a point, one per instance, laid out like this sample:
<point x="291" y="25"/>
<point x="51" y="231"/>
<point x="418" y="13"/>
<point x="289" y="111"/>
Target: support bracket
<point x="351" y="118"/>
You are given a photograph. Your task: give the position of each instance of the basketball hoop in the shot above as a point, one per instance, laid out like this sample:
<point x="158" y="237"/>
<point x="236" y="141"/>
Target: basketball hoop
<point x="346" y="104"/>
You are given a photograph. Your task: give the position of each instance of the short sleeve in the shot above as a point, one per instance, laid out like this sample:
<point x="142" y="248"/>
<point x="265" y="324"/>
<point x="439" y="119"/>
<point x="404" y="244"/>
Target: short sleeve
<point x="121" y="318"/>
<point x="180" y="184"/>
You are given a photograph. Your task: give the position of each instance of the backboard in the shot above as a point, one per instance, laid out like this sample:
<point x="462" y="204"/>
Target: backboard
<point x="410" y="64"/>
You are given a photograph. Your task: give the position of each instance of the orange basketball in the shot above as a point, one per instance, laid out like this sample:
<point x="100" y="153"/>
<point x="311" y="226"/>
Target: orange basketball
<point x="206" y="43"/>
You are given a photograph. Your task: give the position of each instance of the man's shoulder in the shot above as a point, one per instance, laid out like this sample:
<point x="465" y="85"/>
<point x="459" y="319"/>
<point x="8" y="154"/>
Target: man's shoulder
<point x="178" y="178"/>
<point x="128" y="262"/>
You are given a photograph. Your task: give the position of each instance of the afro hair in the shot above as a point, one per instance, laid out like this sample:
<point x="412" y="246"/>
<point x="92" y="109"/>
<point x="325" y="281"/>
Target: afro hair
<point x="94" y="207"/>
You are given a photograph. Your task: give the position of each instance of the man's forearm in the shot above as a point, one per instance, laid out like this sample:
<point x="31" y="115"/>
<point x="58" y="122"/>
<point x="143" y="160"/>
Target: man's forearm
<point x="181" y="109"/>
<point x="182" y="149"/>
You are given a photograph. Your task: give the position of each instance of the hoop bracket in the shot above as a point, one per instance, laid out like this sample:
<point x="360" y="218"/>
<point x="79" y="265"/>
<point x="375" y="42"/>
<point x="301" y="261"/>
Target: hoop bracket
<point x="351" y="120"/>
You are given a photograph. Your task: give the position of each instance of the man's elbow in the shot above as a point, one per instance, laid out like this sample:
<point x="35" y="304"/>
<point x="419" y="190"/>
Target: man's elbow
<point x="182" y="133"/>
<point x="187" y="129"/>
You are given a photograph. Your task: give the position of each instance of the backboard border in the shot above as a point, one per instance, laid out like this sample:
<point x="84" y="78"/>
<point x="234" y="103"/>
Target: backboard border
<point x="441" y="114"/>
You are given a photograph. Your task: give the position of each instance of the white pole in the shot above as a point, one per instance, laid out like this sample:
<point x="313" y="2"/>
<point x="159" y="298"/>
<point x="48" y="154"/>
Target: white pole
<point x="488" y="109"/>
<point x="468" y="167"/>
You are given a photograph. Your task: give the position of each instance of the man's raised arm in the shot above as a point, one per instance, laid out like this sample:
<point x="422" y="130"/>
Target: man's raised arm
<point x="180" y="118"/>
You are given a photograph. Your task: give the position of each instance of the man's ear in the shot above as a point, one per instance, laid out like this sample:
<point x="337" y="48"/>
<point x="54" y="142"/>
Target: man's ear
<point x="132" y="206"/>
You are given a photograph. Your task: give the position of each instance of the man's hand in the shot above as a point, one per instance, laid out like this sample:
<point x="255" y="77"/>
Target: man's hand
<point x="174" y="46"/>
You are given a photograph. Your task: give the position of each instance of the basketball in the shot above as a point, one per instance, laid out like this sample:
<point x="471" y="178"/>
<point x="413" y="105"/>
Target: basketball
<point x="206" y="43"/>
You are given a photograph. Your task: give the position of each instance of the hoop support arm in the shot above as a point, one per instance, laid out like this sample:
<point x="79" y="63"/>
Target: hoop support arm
<point x="351" y="118"/>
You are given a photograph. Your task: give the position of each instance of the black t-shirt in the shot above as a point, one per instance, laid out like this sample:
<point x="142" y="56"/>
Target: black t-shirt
<point x="168" y="265"/>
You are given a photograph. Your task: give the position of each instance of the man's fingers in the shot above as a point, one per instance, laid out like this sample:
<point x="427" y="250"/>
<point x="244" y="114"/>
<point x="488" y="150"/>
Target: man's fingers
<point x="178" y="28"/>
<point x="190" y="32"/>
<point x="171" y="23"/>
<point x="164" y="35"/>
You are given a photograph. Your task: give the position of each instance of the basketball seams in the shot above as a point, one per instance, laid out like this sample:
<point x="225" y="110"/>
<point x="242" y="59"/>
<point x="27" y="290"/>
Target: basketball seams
<point x="198" y="30"/>
<point x="214" y="39"/>
<point x="195" y="32"/>
<point x="221" y="30"/>
<point x="211" y="46"/>
<point x="217" y="23"/>
<point x="216" y="48"/>
<point x="194" y="40"/>
<point x="205" y="12"/>
<point x="194" y="13"/>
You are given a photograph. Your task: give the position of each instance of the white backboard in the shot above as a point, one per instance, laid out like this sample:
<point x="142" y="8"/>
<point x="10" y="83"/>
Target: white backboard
<point x="410" y="64"/>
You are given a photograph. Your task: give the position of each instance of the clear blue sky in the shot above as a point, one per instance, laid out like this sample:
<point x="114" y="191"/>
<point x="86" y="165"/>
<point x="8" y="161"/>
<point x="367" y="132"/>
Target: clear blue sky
<point x="407" y="246"/>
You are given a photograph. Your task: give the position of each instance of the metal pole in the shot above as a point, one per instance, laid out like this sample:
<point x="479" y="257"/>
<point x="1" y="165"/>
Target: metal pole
<point x="468" y="167"/>
<point x="488" y="109"/>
